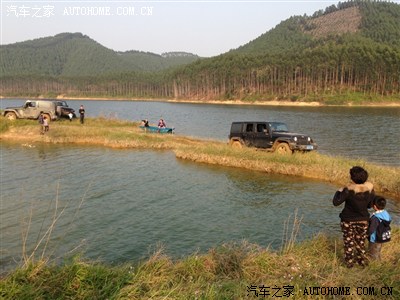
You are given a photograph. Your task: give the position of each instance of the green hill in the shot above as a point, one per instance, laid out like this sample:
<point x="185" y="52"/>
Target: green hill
<point x="351" y="50"/>
<point x="74" y="54"/>
<point x="147" y="61"/>
<point x="377" y="22"/>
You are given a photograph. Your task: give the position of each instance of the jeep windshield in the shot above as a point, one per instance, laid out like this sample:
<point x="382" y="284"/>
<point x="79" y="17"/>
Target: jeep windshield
<point x="277" y="126"/>
<point x="61" y="103"/>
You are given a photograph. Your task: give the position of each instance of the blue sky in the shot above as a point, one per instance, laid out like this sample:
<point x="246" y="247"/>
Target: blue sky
<point x="206" y="28"/>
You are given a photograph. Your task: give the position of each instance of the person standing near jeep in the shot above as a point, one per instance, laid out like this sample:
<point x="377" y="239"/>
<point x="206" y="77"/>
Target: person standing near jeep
<point x="45" y="125"/>
<point x="82" y="114"/>
<point x="41" y="122"/>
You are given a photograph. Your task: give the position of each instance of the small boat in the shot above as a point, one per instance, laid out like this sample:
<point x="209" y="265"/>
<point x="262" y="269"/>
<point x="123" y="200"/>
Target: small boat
<point x="156" y="129"/>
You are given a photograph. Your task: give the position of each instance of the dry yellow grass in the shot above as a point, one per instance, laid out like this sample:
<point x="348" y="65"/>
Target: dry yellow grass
<point x="123" y="134"/>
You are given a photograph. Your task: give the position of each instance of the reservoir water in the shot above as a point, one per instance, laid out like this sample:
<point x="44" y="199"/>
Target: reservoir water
<point x="120" y="205"/>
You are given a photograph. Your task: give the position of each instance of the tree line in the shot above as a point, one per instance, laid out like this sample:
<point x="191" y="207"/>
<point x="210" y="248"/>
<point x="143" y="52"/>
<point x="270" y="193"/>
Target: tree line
<point x="338" y="67"/>
<point x="295" y="66"/>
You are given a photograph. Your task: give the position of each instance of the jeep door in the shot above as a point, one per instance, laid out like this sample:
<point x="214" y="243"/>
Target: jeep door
<point x="262" y="138"/>
<point x="249" y="134"/>
<point x="30" y="111"/>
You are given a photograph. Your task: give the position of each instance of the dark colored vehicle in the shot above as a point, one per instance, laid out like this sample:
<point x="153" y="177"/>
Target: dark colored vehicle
<point x="272" y="136"/>
<point x="63" y="110"/>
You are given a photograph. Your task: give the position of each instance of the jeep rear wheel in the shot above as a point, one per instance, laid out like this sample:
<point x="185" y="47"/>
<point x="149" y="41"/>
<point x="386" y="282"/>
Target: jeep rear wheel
<point x="236" y="144"/>
<point x="283" y="148"/>
<point x="11" y="116"/>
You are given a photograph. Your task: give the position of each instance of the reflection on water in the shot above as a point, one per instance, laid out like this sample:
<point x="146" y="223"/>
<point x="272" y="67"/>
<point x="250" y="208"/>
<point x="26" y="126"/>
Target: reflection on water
<point x="118" y="204"/>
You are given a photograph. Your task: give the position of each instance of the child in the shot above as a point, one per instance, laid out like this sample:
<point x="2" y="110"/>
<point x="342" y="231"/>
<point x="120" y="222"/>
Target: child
<point x="45" y="124"/>
<point x="378" y="216"/>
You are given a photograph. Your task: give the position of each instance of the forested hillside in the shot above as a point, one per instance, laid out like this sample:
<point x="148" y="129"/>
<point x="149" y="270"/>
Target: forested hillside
<point x="74" y="54"/>
<point x="349" y="49"/>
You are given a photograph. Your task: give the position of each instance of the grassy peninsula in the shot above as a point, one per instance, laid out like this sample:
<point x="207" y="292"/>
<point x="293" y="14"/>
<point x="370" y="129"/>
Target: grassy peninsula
<point x="312" y="269"/>
<point x="123" y="134"/>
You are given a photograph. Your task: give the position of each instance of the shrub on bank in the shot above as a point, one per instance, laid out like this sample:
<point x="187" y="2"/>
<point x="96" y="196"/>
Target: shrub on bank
<point x="308" y="270"/>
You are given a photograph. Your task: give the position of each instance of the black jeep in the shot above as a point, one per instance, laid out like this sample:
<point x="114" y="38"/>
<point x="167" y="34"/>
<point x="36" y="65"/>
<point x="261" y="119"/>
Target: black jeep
<point x="272" y="136"/>
<point x="63" y="110"/>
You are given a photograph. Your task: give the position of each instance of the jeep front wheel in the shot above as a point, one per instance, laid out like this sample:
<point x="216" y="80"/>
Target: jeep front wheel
<point x="236" y="144"/>
<point x="11" y="116"/>
<point x="283" y="148"/>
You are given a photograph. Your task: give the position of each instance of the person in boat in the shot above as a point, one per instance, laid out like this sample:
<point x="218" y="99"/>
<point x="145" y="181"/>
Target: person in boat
<point x="145" y="123"/>
<point x="161" y="124"/>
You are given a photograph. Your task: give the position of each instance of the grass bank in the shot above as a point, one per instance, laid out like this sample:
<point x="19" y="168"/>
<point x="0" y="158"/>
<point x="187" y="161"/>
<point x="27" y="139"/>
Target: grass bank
<point x="126" y="135"/>
<point x="307" y="270"/>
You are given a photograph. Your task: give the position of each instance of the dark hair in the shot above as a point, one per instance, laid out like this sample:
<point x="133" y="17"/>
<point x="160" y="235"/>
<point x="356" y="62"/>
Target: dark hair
<point x="358" y="175"/>
<point x="379" y="202"/>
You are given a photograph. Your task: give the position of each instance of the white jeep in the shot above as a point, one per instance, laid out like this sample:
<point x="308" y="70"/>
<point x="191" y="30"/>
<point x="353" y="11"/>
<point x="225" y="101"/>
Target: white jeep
<point x="32" y="110"/>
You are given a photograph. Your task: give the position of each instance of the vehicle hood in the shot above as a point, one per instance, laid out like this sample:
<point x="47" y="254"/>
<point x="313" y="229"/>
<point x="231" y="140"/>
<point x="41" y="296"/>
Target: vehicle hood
<point x="14" y="107"/>
<point x="68" y="108"/>
<point x="288" y="134"/>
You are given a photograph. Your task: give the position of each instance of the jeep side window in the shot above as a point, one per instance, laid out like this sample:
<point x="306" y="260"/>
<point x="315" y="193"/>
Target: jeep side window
<point x="262" y="128"/>
<point x="30" y="104"/>
<point x="282" y="127"/>
<point x="249" y="128"/>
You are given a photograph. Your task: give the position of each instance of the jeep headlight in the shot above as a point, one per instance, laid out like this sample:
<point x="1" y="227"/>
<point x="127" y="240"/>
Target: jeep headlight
<point x="309" y="139"/>
<point x="295" y="139"/>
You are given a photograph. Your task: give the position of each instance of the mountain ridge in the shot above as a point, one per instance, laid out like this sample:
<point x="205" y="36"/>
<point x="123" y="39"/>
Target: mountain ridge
<point x="357" y="19"/>
<point x="76" y="54"/>
<point x="351" y="48"/>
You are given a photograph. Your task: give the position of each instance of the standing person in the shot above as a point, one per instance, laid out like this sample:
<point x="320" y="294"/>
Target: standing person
<point x="380" y="215"/>
<point x="46" y="125"/>
<point x="357" y="198"/>
<point x="82" y="114"/>
<point x="41" y="122"/>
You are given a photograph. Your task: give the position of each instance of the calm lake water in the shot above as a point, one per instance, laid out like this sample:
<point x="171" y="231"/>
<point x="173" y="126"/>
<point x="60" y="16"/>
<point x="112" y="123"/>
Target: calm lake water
<point x="120" y="205"/>
<point x="371" y="133"/>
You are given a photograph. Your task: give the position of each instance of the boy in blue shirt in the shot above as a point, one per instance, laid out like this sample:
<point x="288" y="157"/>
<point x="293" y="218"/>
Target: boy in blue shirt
<point x="378" y="216"/>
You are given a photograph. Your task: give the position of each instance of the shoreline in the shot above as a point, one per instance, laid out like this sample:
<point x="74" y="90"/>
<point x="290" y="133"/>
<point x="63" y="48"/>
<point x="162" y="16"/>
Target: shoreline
<point x="98" y="133"/>
<point x="285" y="103"/>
